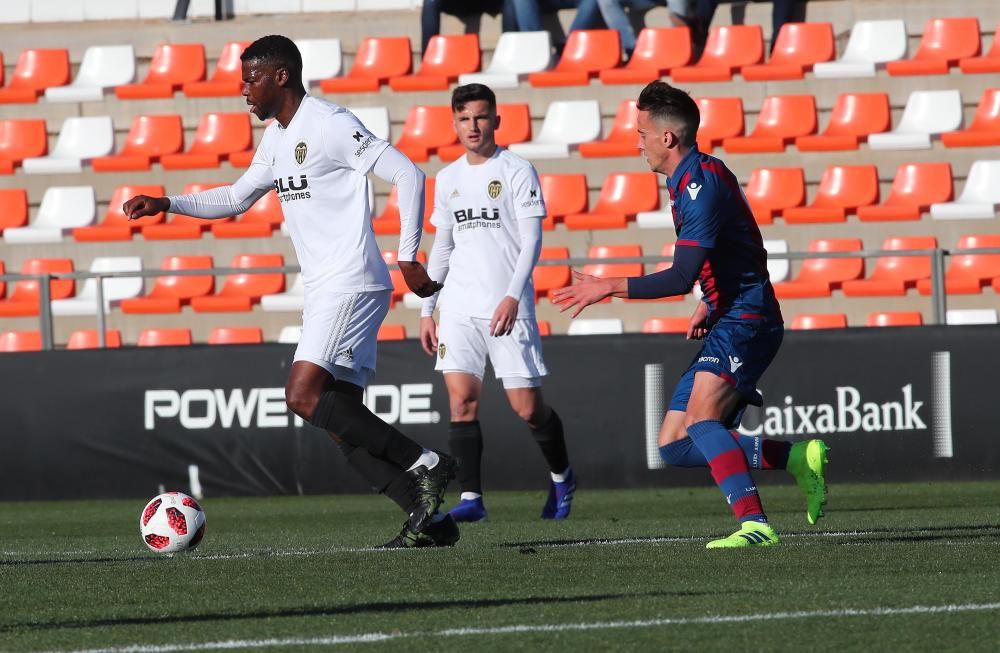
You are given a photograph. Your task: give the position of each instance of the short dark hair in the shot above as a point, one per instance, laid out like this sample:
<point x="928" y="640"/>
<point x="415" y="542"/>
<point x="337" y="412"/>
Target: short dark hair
<point x="471" y="93"/>
<point x="278" y="50"/>
<point x="665" y="102"/>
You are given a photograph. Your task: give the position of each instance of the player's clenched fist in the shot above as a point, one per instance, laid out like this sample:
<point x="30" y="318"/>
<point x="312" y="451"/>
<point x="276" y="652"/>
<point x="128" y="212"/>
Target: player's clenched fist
<point x="417" y="280"/>
<point x="142" y="206"/>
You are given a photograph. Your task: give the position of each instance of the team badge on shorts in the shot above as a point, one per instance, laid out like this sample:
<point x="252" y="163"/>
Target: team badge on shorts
<point x="301" y="149"/>
<point x="494" y="188"/>
<point x="441" y="350"/>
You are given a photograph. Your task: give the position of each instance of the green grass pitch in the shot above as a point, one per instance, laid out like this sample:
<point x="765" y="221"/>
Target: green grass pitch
<point x="892" y="567"/>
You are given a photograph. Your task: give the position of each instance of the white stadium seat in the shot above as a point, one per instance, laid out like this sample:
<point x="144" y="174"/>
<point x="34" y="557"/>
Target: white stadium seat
<point x="872" y="42"/>
<point x="412" y="300"/>
<point x="292" y="300"/>
<point x="80" y="139"/>
<point x="596" y="326"/>
<point x="926" y="113"/>
<point x="376" y="119"/>
<point x="63" y="208"/>
<point x="290" y="334"/>
<point x="777" y="268"/>
<point x="321" y="59"/>
<point x="566" y="123"/>
<point x="103" y="68"/>
<point x="654" y="220"/>
<point x="971" y="316"/>
<point x="979" y="197"/>
<point x="115" y="289"/>
<point x="516" y="55"/>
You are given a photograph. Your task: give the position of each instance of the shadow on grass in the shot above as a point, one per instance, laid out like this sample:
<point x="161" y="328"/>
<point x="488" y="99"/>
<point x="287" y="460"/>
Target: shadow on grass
<point x="337" y="610"/>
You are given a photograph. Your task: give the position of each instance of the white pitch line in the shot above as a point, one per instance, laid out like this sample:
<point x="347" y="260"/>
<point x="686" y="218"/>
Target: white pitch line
<point x="544" y="628"/>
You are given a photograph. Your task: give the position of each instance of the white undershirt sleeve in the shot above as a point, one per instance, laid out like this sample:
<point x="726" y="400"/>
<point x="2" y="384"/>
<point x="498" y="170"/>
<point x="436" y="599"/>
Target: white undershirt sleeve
<point x="437" y="266"/>
<point x="225" y="201"/>
<point x="393" y="166"/>
<point x="530" y="230"/>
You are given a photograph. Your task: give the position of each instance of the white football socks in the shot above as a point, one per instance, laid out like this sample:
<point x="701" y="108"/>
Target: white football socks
<point x="560" y="478"/>
<point x="428" y="459"/>
<point x="469" y="496"/>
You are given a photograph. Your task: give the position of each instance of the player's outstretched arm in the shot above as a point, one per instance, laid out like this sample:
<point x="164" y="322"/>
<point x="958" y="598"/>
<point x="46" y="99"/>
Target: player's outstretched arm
<point x="142" y="206"/>
<point x="588" y="290"/>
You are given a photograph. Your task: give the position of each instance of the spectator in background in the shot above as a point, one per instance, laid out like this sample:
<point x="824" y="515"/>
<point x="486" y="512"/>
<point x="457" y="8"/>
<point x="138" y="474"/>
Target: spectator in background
<point x="781" y="13"/>
<point x="430" y="15"/>
<point x="613" y="13"/>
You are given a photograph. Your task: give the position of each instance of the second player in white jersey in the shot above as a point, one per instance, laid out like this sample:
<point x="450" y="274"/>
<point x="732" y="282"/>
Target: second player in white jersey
<point x="488" y="210"/>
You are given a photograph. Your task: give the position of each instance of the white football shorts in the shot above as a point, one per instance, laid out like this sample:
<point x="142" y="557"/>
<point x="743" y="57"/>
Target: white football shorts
<point x="340" y="333"/>
<point x="464" y="343"/>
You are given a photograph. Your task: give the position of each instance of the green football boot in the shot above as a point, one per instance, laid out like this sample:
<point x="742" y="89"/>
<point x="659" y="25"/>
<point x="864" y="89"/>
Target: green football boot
<point x="751" y="533"/>
<point x="807" y="463"/>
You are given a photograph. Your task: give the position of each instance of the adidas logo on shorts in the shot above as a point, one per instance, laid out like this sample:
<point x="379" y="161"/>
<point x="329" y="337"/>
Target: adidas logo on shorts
<point x="347" y="354"/>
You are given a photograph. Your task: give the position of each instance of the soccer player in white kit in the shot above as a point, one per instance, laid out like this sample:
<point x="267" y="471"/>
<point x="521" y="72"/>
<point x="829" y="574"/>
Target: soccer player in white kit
<point x="317" y="155"/>
<point x="488" y="210"/>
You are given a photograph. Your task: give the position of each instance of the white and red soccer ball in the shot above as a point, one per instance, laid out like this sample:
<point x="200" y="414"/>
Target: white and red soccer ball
<point x="172" y="522"/>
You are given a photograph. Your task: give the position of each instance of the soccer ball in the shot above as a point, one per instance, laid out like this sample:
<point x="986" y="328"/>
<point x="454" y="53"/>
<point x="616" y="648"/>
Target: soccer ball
<point x="172" y="522"/>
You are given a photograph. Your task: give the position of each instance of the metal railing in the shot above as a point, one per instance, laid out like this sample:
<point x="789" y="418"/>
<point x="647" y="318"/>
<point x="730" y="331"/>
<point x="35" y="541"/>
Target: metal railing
<point x="45" y="316"/>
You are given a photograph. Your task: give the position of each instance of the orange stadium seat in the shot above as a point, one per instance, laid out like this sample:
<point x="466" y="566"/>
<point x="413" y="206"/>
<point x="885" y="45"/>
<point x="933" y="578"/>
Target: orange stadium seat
<point x="259" y="221"/>
<point x="387" y="223"/>
<point x="391" y="332"/>
<point x="968" y="274"/>
<point x="2" y="71"/>
<point x="895" y="319"/>
<point x="894" y="275"/>
<point x="614" y="269"/>
<point x="180" y="226"/>
<point x="12" y="341"/>
<point x="550" y="277"/>
<point x="782" y="119"/>
<point x="658" y="50"/>
<point x="854" y="117"/>
<point x="809" y="321"/>
<point x="88" y="339"/>
<point x="818" y="277"/>
<point x="399" y="287"/>
<point x="446" y="58"/>
<point x="235" y="336"/>
<point x="988" y="63"/>
<point x="228" y="76"/>
<point x="149" y="138"/>
<point x="721" y="118"/>
<point x="426" y="129"/>
<point x="587" y="53"/>
<point x="623" y="195"/>
<point x="173" y="65"/>
<point x="544" y="328"/>
<point x="13" y="209"/>
<point x="666" y="325"/>
<point x="20" y="140"/>
<point x="985" y="128"/>
<point x="170" y="292"/>
<point x="241" y="291"/>
<point x="24" y="299"/>
<point x="164" y="337"/>
<point x="797" y="48"/>
<point x="772" y="190"/>
<point x="915" y="187"/>
<point x="515" y="127"/>
<point x="842" y="189"/>
<point x="115" y="225"/>
<point x="218" y="135"/>
<point x="377" y="60"/>
<point x="36" y="70"/>
<point x="623" y="138"/>
<point x="728" y="47"/>
<point x="945" y="41"/>
<point x="565" y="194"/>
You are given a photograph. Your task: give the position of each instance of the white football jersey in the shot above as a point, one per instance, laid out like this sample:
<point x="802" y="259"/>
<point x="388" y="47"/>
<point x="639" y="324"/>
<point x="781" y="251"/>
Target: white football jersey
<point x="318" y="167"/>
<point x="481" y="204"/>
